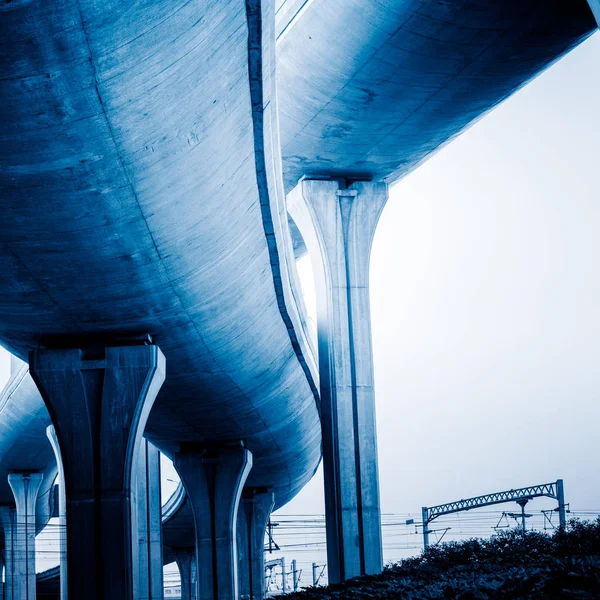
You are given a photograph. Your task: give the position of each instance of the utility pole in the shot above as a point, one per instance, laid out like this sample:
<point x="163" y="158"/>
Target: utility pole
<point x="522" y="504"/>
<point x="425" y="519"/>
<point x="560" y="493"/>
<point x="315" y="568"/>
<point x="283" y="577"/>
<point x="295" y="576"/>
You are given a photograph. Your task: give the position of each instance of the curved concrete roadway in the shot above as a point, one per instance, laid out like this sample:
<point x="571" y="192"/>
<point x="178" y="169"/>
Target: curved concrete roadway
<point x="370" y="88"/>
<point x="141" y="194"/>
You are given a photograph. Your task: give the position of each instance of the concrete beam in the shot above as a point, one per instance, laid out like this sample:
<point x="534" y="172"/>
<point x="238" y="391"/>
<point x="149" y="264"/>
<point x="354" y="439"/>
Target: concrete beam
<point x="213" y="480"/>
<point x="62" y="513"/>
<point x="25" y="487"/>
<point x="99" y="404"/>
<point x="595" y="6"/>
<point x="338" y="225"/>
<point x="256" y="510"/>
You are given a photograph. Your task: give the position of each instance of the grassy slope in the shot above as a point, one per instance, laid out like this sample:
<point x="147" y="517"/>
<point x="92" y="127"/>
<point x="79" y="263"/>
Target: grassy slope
<point x="509" y="565"/>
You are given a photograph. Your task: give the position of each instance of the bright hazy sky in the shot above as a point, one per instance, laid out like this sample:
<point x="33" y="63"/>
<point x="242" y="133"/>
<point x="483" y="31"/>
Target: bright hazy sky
<point x="485" y="292"/>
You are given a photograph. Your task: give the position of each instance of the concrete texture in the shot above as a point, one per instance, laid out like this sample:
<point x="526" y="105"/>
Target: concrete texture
<point x="99" y="405"/>
<point x="368" y="89"/>
<point x="214" y="479"/>
<point x="338" y="225"/>
<point x="151" y="135"/>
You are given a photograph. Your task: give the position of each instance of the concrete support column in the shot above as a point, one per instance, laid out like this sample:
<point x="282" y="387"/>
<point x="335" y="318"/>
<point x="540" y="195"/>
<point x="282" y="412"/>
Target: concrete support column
<point x="1" y="579"/>
<point x="185" y="559"/>
<point x="148" y="560"/>
<point x="338" y="225"/>
<point x="62" y="513"/>
<point x="595" y="6"/>
<point x="257" y="505"/>
<point x="213" y="479"/>
<point x="25" y="487"/>
<point x="8" y="521"/>
<point x="99" y="403"/>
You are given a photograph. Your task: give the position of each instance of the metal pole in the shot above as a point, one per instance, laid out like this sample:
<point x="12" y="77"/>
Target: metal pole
<point x="522" y="504"/>
<point x="425" y="517"/>
<point x="283" y="577"/>
<point x="314" y="573"/>
<point x="560" y="493"/>
<point x="294" y="576"/>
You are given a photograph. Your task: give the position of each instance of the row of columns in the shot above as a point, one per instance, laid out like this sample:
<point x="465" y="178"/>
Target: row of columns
<point x="99" y="401"/>
<point x="109" y="480"/>
<point x="18" y="524"/>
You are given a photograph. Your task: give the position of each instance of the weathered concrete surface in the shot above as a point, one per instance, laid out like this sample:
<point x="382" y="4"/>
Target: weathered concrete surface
<point x="370" y="88"/>
<point x="338" y="226"/>
<point x="141" y="193"/>
<point x="100" y="406"/>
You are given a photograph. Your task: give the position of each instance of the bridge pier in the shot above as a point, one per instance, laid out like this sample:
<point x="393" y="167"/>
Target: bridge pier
<point x="257" y="505"/>
<point x="7" y="519"/>
<point x="18" y="523"/>
<point x="213" y="478"/>
<point x="99" y="402"/>
<point x="185" y="559"/>
<point x="338" y="225"/>
<point x="62" y="513"/>
<point x="147" y="523"/>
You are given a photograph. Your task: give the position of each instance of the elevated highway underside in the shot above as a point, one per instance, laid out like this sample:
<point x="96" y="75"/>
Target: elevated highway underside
<point x="142" y="191"/>
<point x="131" y="204"/>
<point x="368" y="89"/>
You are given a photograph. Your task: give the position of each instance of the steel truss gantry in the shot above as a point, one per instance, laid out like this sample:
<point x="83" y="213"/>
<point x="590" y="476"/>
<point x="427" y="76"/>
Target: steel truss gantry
<point x="521" y="496"/>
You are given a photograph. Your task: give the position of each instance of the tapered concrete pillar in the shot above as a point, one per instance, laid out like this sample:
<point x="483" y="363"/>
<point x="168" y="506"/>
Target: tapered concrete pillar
<point x="338" y="226"/>
<point x="213" y="479"/>
<point x="185" y="559"/>
<point x="148" y="562"/>
<point x="62" y="513"/>
<point x="99" y="404"/>
<point x="8" y="522"/>
<point x="595" y="6"/>
<point x="25" y="487"/>
<point x="257" y="505"/>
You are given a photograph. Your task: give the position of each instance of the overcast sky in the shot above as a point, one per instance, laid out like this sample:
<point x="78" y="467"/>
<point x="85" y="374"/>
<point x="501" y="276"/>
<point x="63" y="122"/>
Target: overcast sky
<point x="485" y="293"/>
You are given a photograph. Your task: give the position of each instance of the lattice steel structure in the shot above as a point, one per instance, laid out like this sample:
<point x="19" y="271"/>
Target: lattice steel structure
<point x="522" y="496"/>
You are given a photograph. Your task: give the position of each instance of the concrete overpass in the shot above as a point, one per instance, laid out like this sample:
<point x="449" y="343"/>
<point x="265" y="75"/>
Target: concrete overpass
<point x="144" y="207"/>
